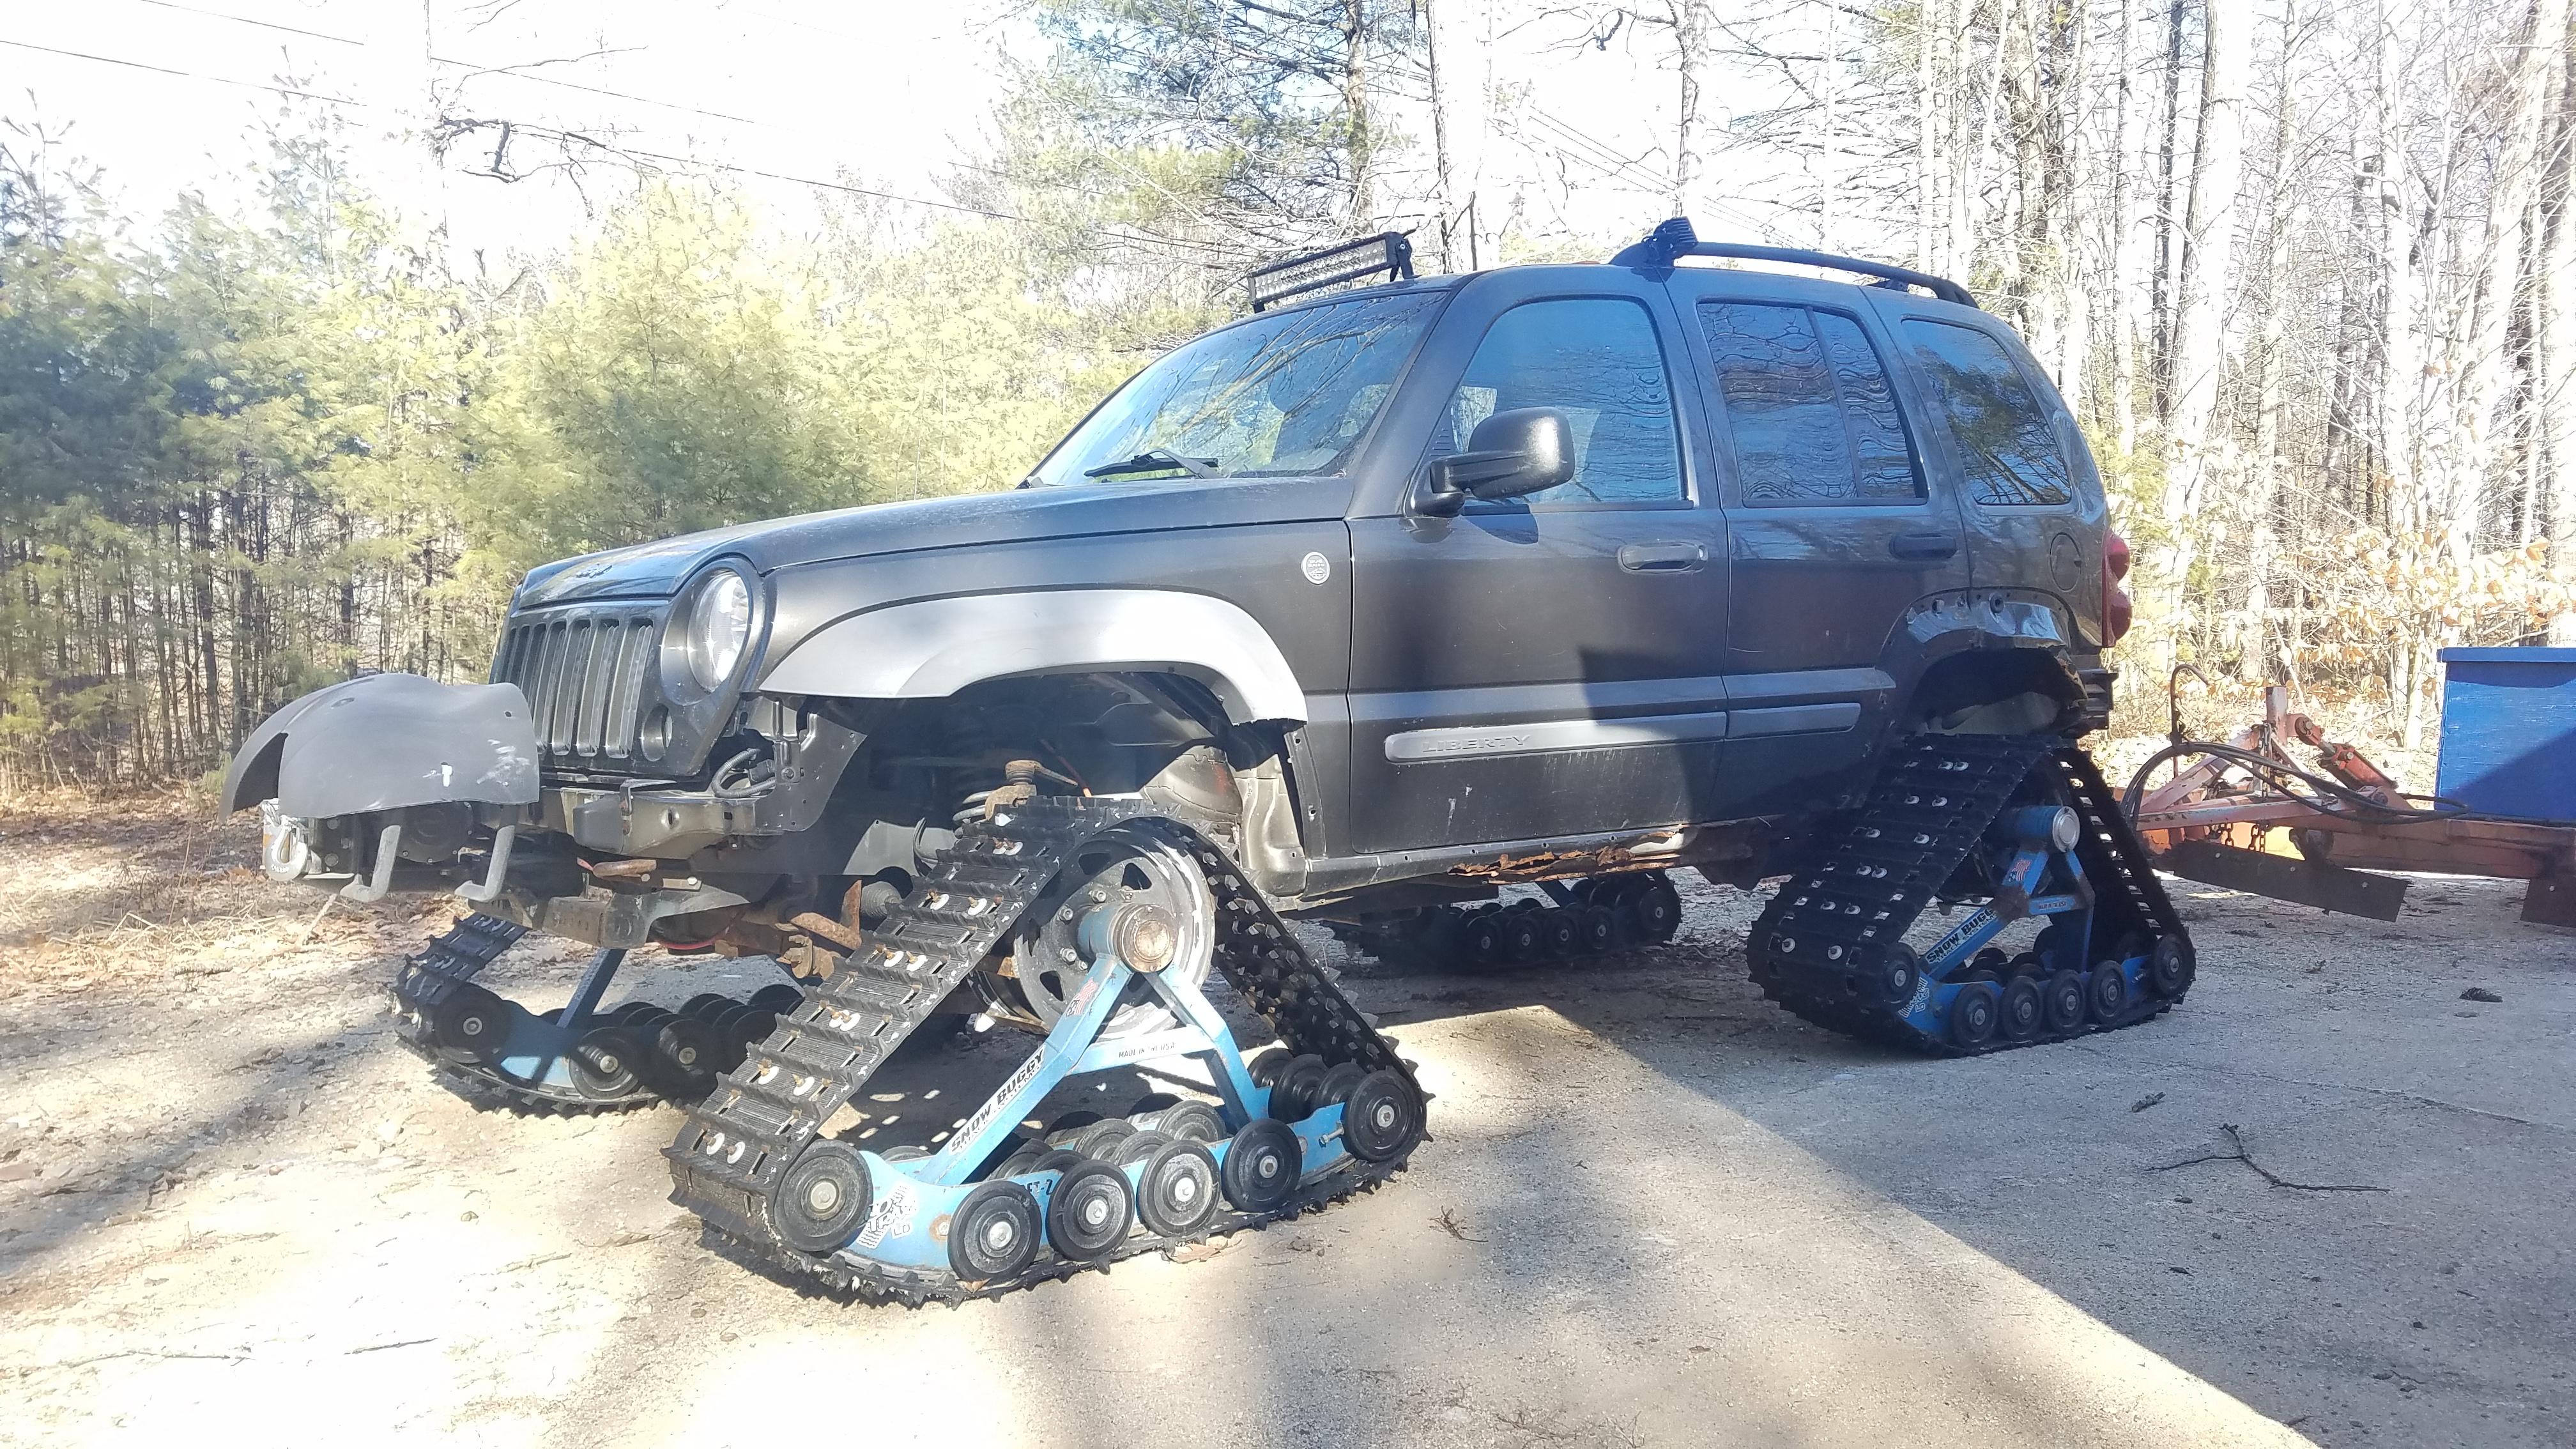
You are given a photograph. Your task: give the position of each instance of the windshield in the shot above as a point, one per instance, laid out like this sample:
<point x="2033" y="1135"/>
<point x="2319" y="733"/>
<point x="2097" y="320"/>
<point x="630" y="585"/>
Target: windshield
<point x="1283" y="394"/>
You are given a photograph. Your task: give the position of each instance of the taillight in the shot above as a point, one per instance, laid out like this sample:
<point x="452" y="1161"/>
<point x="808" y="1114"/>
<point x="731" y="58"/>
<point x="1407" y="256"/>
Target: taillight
<point x="2117" y="611"/>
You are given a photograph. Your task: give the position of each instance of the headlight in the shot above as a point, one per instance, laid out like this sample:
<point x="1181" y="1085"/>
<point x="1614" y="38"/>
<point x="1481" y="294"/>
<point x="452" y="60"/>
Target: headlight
<point x="718" y="629"/>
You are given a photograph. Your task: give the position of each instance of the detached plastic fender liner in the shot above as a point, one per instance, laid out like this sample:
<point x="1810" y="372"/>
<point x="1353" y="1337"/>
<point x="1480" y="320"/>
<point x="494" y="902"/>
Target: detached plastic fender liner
<point x="386" y="741"/>
<point x="931" y="648"/>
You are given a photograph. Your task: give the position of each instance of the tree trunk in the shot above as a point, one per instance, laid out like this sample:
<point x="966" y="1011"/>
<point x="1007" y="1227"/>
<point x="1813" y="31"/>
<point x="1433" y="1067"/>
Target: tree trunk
<point x="2194" y="451"/>
<point x="2254" y="662"/>
<point x="2160" y="304"/>
<point x="2502" y="253"/>
<point x="1355" y="113"/>
<point x="2124" y="305"/>
<point x="2554" y="339"/>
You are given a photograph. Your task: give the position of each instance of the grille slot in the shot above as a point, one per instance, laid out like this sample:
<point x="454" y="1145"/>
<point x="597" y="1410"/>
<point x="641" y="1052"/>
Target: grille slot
<point x="584" y="672"/>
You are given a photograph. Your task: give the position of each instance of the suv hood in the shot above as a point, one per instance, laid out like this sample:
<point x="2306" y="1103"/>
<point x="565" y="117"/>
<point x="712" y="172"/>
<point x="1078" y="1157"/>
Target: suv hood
<point x="655" y="570"/>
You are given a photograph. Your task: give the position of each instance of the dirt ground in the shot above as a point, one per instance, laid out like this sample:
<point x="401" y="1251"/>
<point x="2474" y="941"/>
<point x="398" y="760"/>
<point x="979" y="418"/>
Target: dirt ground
<point x="2324" y="1200"/>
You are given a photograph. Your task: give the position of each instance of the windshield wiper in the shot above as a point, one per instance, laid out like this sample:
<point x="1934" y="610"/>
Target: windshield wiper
<point x="1155" y="460"/>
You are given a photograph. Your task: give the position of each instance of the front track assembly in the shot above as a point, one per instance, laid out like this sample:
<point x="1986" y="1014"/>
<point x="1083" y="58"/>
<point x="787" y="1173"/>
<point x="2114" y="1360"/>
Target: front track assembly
<point x="986" y="1208"/>
<point x="2026" y="828"/>
<point x="578" y="1058"/>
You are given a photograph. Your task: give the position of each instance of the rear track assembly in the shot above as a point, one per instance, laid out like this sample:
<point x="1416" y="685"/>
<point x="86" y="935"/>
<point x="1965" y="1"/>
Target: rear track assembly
<point x="1595" y="916"/>
<point x="2024" y="824"/>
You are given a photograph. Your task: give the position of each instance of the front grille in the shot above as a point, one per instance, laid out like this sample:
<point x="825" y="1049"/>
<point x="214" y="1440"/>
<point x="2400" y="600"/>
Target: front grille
<point x="584" y="672"/>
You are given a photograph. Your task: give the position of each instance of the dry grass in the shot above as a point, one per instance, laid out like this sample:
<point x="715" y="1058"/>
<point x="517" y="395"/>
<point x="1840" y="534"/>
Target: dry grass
<point x="141" y="885"/>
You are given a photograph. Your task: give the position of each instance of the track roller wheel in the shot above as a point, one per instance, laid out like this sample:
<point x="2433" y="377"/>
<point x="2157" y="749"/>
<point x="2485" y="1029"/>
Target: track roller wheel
<point x="2106" y="992"/>
<point x="824" y="1197"/>
<point x="603" y="1063"/>
<point x="472" y="1023"/>
<point x="684" y="1051"/>
<point x="1262" y="1166"/>
<point x="1564" y="928"/>
<point x="699" y="1005"/>
<point x="1057" y="1159"/>
<point x="1383" y="1119"/>
<point x="1974" y="1014"/>
<point x="1900" y="971"/>
<point x="1141" y="1111"/>
<point x="2024" y="1013"/>
<point x="629" y="1013"/>
<point x="778" y="997"/>
<point x="1654" y="910"/>
<point x="1596" y="930"/>
<point x="1135" y="1147"/>
<point x="2063" y="996"/>
<point x="995" y="1232"/>
<point x="1480" y="941"/>
<point x="1177" y="1195"/>
<point x="1611" y="894"/>
<point x="1298" y="1089"/>
<point x="1098" y="1139"/>
<point x="1991" y="961"/>
<point x="1264" y="1069"/>
<point x="1338" y="1083"/>
<point x="741" y="1034"/>
<point x="1191" y="1122"/>
<point x="2169" y="967"/>
<point x="1524" y="936"/>
<point x="1089" y="1212"/>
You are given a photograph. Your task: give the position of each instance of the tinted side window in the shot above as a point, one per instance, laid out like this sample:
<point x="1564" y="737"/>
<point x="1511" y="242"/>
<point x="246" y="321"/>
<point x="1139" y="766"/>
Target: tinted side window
<point x="1810" y="407"/>
<point x="1596" y="359"/>
<point x="2006" y="443"/>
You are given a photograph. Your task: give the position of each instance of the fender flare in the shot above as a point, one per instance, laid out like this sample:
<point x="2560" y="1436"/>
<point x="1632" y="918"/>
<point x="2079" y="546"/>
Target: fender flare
<point x="387" y="741"/>
<point x="931" y="648"/>
<point x="1944" y="627"/>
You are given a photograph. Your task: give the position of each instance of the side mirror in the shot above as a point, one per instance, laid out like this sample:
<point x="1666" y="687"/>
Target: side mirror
<point x="1524" y="451"/>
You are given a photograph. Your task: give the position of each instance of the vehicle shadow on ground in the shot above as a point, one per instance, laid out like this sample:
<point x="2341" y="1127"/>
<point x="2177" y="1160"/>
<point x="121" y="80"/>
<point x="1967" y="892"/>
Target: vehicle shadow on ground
<point x="2112" y="1169"/>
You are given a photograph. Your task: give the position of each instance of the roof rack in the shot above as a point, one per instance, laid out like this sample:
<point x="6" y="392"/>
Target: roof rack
<point x="1674" y="239"/>
<point x="1387" y="252"/>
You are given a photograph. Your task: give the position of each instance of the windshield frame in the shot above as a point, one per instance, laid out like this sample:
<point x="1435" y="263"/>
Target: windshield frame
<point x="1441" y="291"/>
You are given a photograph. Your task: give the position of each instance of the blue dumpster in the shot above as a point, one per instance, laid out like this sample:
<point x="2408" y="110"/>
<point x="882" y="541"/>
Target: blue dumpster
<point x="2509" y="731"/>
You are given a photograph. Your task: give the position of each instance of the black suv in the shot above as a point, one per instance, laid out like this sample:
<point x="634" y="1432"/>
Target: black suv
<point x="1379" y="601"/>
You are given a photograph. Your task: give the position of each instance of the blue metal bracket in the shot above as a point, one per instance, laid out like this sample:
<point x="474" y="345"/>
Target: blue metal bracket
<point x="908" y="1223"/>
<point x="2044" y="859"/>
<point x="535" y="1048"/>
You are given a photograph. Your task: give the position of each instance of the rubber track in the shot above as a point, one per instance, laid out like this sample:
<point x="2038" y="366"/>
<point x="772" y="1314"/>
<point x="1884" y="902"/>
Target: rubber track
<point x="449" y="961"/>
<point x="728" y="1157"/>
<point x="1933" y="800"/>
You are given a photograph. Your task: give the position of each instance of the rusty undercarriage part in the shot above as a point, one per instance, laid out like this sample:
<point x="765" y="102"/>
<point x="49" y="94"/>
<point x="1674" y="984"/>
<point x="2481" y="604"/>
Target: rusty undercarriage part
<point x="2245" y="816"/>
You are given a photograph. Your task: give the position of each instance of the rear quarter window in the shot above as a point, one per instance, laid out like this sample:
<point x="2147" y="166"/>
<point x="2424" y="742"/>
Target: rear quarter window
<point x="1809" y="408"/>
<point x="2007" y="445"/>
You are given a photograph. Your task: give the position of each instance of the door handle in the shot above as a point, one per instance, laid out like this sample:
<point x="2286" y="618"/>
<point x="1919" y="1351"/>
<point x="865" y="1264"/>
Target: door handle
<point x="1927" y="547"/>
<point x="1662" y="558"/>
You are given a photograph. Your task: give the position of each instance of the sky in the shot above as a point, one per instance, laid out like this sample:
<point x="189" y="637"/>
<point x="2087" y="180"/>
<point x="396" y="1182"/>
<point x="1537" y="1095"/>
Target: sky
<point x="167" y="97"/>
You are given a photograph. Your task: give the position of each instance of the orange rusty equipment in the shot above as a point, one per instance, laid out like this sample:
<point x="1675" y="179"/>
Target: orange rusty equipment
<point x="2245" y="816"/>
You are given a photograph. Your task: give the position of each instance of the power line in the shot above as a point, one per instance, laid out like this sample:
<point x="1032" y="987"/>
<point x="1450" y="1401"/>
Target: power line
<point x="547" y="80"/>
<point x="466" y="65"/>
<point x="245" y="20"/>
<point x="567" y="138"/>
<point x="190" y="75"/>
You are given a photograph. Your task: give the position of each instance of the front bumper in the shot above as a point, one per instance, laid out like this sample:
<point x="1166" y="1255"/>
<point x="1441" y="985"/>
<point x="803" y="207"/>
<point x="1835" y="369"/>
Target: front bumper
<point x="398" y="783"/>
